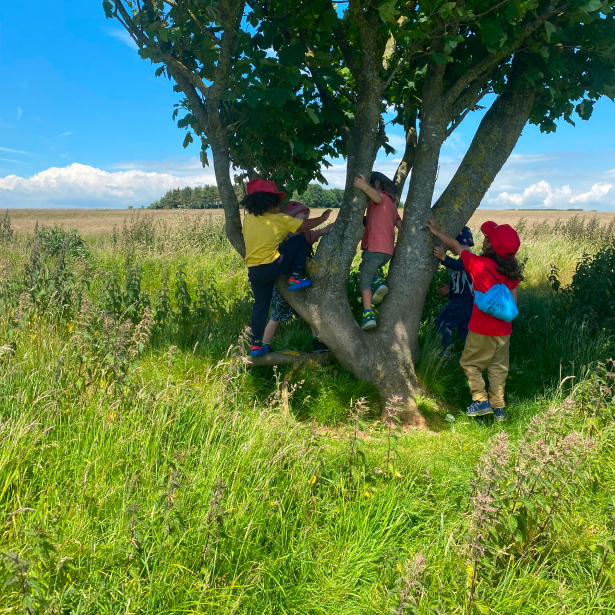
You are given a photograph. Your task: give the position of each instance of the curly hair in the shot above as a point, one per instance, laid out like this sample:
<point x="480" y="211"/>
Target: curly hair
<point x="259" y="203"/>
<point x="508" y="267"/>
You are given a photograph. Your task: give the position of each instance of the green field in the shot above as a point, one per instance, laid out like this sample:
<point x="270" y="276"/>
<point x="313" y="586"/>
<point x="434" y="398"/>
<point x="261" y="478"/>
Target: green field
<point x="143" y="469"/>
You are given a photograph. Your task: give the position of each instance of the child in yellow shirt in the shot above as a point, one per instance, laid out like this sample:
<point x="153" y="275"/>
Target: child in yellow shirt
<point x="268" y="256"/>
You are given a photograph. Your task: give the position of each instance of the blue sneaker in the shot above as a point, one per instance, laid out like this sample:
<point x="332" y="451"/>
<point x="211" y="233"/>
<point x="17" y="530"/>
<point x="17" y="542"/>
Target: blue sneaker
<point x="379" y="290"/>
<point x="499" y="414"/>
<point x="479" y="408"/>
<point x="369" y="320"/>
<point x="297" y="283"/>
<point x="256" y="350"/>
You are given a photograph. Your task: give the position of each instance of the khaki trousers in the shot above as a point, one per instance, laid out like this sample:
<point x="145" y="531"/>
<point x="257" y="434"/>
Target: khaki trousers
<point x="490" y="353"/>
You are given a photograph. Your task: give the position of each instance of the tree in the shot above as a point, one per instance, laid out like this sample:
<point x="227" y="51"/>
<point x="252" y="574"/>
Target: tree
<point x="276" y="88"/>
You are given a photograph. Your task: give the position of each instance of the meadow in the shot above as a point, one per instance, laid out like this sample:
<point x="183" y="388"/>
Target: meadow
<point x="144" y="469"/>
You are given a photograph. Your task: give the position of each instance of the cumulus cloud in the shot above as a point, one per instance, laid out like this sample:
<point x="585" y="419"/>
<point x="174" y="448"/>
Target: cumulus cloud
<point x="542" y="194"/>
<point x="79" y="185"/>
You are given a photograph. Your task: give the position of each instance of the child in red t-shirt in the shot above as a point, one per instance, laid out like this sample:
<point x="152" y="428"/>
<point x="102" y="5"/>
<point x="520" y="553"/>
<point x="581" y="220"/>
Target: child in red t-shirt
<point x="378" y="242"/>
<point x="488" y="342"/>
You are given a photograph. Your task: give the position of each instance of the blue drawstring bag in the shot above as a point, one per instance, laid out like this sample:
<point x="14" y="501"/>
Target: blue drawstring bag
<point x="498" y="302"/>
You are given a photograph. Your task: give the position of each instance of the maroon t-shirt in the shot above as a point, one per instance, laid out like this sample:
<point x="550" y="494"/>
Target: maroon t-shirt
<point x="484" y="274"/>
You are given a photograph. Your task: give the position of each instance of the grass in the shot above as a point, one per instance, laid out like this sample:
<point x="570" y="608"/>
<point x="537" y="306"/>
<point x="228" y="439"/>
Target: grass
<point x="183" y="485"/>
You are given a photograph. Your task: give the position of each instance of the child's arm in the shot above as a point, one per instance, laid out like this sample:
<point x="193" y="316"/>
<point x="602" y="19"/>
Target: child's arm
<point x="361" y="183"/>
<point x="513" y="292"/>
<point x="447" y="261"/>
<point x="453" y="244"/>
<point x="398" y="224"/>
<point x="310" y="223"/>
<point x="324" y="230"/>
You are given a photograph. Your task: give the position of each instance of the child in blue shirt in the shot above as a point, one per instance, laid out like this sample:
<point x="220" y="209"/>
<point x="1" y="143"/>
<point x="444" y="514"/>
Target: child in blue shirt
<point x="460" y="295"/>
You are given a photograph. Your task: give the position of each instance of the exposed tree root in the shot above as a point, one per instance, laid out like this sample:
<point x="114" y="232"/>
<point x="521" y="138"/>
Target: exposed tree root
<point x="289" y="357"/>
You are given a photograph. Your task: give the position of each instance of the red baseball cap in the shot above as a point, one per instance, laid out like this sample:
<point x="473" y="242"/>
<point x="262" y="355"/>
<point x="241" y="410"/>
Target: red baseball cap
<point x="294" y="208"/>
<point x="502" y="237"/>
<point x="264" y="185"/>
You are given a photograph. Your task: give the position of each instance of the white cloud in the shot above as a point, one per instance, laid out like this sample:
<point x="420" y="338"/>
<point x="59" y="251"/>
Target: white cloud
<point x="19" y="112"/>
<point x="79" y="185"/>
<point x="121" y="35"/>
<point x="13" y="151"/>
<point x="542" y="194"/>
<point x="65" y="134"/>
<point x="13" y="160"/>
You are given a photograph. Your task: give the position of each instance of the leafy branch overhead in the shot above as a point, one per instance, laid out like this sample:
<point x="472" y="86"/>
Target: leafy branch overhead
<point x="283" y="78"/>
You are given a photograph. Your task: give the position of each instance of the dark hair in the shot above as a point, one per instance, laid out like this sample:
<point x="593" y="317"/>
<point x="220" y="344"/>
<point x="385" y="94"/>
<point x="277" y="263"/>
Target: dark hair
<point x="387" y="185"/>
<point x="259" y="203"/>
<point x="508" y="267"/>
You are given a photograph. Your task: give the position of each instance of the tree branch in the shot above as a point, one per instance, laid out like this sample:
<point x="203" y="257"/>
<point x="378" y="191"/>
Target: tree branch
<point x="405" y="165"/>
<point x="491" y="147"/>
<point x="344" y="45"/>
<point x="492" y="59"/>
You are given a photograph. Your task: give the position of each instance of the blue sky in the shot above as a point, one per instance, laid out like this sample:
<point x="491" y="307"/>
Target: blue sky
<point x="84" y="122"/>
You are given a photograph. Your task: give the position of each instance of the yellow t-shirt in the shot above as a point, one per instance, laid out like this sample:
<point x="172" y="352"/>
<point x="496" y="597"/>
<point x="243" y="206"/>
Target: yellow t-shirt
<point x="263" y="234"/>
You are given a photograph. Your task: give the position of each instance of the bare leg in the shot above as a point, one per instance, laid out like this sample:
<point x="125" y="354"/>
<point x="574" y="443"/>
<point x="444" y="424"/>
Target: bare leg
<point x="270" y="329"/>
<point x="367" y="298"/>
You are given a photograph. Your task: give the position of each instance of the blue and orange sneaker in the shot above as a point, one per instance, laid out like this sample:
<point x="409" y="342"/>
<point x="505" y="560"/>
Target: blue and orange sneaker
<point x="297" y="282"/>
<point x="379" y="290"/>
<point x="256" y="350"/>
<point x="369" y="320"/>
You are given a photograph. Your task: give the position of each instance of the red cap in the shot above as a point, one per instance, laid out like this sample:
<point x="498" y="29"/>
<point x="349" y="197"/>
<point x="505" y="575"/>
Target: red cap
<point x="502" y="237"/>
<point x="294" y="208"/>
<point x="264" y="185"/>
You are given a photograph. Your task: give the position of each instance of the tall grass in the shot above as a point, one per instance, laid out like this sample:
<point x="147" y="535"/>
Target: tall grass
<point x="143" y="470"/>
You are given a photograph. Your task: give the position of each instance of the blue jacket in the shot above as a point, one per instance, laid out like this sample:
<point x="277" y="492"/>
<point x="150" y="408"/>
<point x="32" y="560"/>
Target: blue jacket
<point x="460" y="286"/>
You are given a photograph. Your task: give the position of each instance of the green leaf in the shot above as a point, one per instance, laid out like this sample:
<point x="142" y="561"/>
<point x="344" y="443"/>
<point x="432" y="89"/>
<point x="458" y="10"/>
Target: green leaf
<point x="387" y="10"/>
<point x="313" y="115"/>
<point x="591" y="6"/>
<point x="438" y="58"/>
<point x="188" y="140"/>
<point x="108" y="8"/>
<point x="550" y="29"/>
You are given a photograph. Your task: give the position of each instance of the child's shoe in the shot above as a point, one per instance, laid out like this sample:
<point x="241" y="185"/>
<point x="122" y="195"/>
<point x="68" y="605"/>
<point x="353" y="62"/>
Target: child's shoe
<point x="369" y="320"/>
<point x="256" y="350"/>
<point x="479" y="408"/>
<point x="296" y="282"/>
<point x="318" y="346"/>
<point x="379" y="290"/>
<point x="499" y="414"/>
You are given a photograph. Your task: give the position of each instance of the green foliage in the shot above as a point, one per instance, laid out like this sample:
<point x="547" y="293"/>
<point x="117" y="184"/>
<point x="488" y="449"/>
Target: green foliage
<point x="291" y="93"/>
<point x="6" y="230"/>
<point x="54" y="239"/>
<point x="317" y="197"/>
<point x="591" y="294"/>
<point x="201" y="197"/>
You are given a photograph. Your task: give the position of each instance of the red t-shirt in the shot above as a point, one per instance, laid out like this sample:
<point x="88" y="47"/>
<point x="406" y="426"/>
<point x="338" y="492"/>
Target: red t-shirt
<point x="379" y="235"/>
<point x="484" y="275"/>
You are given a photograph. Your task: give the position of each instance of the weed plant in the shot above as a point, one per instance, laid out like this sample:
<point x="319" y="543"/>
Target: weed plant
<point x="143" y="469"/>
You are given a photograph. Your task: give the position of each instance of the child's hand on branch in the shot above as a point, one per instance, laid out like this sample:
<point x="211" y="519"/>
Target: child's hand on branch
<point x="360" y="182"/>
<point x="433" y="227"/>
<point x="439" y="252"/>
<point x="326" y="214"/>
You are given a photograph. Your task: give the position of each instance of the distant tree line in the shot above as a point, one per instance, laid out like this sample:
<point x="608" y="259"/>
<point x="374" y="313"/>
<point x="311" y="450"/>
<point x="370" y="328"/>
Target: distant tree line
<point x="208" y="197"/>
<point x="205" y="197"/>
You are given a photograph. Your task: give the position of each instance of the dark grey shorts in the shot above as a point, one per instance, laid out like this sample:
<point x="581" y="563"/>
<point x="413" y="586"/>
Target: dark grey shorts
<point x="280" y="308"/>
<point x="368" y="268"/>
